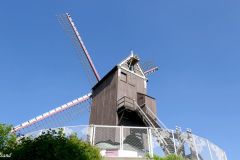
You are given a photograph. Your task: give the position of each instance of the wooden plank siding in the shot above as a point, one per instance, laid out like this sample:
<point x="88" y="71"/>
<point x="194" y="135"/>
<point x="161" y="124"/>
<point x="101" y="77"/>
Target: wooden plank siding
<point x="103" y="110"/>
<point x="131" y="87"/>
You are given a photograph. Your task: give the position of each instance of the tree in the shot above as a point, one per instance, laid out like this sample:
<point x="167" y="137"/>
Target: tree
<point x="54" y="145"/>
<point x="7" y="140"/>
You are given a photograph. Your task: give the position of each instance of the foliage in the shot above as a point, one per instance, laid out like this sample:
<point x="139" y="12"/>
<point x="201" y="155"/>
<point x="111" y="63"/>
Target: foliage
<point x="7" y="139"/>
<point x="169" y="157"/>
<point x="54" y="145"/>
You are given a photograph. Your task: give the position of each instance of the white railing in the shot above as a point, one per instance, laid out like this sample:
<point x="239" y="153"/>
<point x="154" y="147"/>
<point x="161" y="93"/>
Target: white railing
<point x="148" y="110"/>
<point x="158" y="135"/>
<point x="127" y="141"/>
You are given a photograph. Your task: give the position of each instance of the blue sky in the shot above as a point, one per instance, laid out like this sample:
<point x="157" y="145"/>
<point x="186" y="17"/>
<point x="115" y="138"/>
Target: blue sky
<point x="195" y="43"/>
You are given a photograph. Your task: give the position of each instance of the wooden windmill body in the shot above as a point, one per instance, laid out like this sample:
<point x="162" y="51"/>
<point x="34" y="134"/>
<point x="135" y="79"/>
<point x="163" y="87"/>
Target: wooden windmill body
<point x="115" y="95"/>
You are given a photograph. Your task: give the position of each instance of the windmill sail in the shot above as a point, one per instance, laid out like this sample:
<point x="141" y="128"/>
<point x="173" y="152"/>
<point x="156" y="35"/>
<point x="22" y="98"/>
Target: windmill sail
<point x="148" y="67"/>
<point x="56" y="117"/>
<point x="86" y="60"/>
<point x="151" y="70"/>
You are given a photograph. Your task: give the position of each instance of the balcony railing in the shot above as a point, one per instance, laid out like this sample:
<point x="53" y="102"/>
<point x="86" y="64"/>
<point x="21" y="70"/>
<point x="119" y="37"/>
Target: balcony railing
<point x="126" y="102"/>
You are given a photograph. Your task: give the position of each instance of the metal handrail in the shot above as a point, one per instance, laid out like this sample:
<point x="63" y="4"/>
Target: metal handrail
<point x="158" y="120"/>
<point x="152" y="125"/>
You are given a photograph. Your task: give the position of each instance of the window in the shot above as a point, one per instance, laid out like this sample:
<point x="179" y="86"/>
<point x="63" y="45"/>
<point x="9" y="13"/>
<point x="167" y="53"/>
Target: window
<point x="123" y="77"/>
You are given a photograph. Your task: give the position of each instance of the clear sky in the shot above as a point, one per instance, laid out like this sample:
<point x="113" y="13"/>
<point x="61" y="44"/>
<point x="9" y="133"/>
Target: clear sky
<point x="195" y="43"/>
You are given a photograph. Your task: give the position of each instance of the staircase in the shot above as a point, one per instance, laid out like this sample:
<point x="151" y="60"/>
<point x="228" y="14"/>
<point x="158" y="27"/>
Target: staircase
<point x="150" y="119"/>
<point x="170" y="145"/>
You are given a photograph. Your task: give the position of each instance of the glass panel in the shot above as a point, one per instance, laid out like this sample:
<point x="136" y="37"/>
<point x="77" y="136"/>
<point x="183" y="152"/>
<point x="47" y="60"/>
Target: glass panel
<point x="217" y="153"/>
<point x="136" y="140"/>
<point x="107" y="138"/>
<point x="202" y="147"/>
<point x="163" y="142"/>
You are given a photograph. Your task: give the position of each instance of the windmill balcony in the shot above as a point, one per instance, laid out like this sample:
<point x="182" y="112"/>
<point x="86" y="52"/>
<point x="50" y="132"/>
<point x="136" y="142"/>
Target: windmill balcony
<point x="147" y="104"/>
<point x="126" y="103"/>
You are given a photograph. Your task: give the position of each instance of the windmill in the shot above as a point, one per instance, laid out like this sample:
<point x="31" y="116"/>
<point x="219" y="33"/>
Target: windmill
<point x="118" y="99"/>
<point x="91" y="73"/>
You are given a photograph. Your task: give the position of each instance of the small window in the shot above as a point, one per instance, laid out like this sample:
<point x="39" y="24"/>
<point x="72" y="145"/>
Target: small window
<point x="123" y="77"/>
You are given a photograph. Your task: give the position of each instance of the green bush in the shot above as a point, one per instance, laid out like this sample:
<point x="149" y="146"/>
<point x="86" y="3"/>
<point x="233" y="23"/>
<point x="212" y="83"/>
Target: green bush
<point x="54" y="146"/>
<point x="169" y="157"/>
<point x="51" y="145"/>
<point x="173" y="157"/>
<point x="7" y="140"/>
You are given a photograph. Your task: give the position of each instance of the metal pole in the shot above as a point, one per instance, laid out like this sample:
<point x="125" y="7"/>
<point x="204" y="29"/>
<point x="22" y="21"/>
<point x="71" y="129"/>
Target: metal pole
<point x="121" y="138"/>
<point x="94" y="132"/>
<point x="209" y="150"/>
<point x="225" y="156"/>
<point x="150" y="142"/>
<point x="148" y="139"/>
<point x="195" y="146"/>
<point x="175" y="149"/>
<point x="91" y="134"/>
